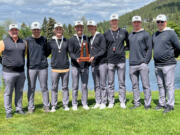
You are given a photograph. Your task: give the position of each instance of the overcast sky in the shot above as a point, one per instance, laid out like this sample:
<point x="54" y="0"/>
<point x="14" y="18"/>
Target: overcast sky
<point x="65" y="11"/>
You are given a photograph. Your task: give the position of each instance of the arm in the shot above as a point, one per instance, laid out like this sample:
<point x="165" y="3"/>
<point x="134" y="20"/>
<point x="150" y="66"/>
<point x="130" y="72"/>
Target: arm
<point x="127" y="41"/>
<point x="70" y="48"/>
<point x="102" y="47"/>
<point x="2" y="47"/>
<point x="148" y="42"/>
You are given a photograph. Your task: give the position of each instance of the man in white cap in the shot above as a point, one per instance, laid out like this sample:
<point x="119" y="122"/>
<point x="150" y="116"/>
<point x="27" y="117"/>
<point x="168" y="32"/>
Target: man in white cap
<point x="140" y="45"/>
<point x="37" y="66"/>
<point x="165" y="40"/>
<point x="13" y="49"/>
<point x="58" y="48"/>
<point x="115" y="39"/>
<point x="98" y="61"/>
<point x="79" y="69"/>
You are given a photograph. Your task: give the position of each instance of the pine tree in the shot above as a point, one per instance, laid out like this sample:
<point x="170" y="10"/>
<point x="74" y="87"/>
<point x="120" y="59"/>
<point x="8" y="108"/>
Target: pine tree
<point x="44" y="27"/>
<point x="50" y="27"/>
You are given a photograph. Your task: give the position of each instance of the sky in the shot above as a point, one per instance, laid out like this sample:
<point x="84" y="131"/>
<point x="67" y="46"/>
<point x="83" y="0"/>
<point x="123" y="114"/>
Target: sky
<point x="65" y="11"/>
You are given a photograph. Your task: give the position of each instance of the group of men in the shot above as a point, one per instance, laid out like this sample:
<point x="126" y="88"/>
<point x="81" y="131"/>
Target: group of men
<point x="107" y="55"/>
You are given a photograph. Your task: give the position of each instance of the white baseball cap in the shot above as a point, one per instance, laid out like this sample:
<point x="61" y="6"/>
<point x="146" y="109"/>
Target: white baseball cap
<point x="91" y="23"/>
<point x="161" y="17"/>
<point x="13" y="26"/>
<point x="78" y="23"/>
<point x="58" y="25"/>
<point x="136" y="18"/>
<point x="35" y="25"/>
<point x="114" y="17"/>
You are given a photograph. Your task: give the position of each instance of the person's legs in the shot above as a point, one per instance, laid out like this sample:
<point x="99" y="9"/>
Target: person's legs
<point x="65" y="90"/>
<point x="32" y="76"/>
<point x="110" y="91"/>
<point x="19" y="85"/>
<point x="43" y="78"/>
<point x="134" y="76"/>
<point x="144" y="73"/>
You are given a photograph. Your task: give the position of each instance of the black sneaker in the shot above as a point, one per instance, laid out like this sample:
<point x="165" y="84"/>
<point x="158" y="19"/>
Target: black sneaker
<point x="20" y="112"/>
<point x="147" y="107"/>
<point x="168" y="109"/>
<point x="158" y="107"/>
<point x="135" y="106"/>
<point x="8" y="115"/>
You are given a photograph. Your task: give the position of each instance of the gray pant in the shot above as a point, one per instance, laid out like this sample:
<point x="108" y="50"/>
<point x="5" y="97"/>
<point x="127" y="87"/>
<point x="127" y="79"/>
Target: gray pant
<point x="165" y="80"/>
<point x="65" y="91"/>
<point x="76" y="73"/>
<point x="121" y="69"/>
<point x="42" y="76"/>
<point x="142" y="71"/>
<point x="13" y="81"/>
<point x="100" y="78"/>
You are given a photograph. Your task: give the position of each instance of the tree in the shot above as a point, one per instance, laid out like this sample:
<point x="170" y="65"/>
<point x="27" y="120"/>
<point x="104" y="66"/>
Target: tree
<point x="2" y="32"/>
<point x="24" y="31"/>
<point x="44" y="27"/>
<point x="50" y="27"/>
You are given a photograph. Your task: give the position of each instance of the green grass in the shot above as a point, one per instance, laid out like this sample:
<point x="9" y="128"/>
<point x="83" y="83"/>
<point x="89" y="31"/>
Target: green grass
<point x="114" y="121"/>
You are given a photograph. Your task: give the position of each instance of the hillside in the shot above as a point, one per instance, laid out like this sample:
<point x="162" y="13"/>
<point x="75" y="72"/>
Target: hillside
<point x="169" y="7"/>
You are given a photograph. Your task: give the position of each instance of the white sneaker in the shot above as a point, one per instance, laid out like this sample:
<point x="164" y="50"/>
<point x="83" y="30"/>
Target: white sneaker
<point x="102" y="106"/>
<point x="74" y="108"/>
<point x="53" y="109"/>
<point x="66" y="108"/>
<point x="96" y="106"/>
<point x="110" y="105"/>
<point x="86" y="107"/>
<point x="123" y="105"/>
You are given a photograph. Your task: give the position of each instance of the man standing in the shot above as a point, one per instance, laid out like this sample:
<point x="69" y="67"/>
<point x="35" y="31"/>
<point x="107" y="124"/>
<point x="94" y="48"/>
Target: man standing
<point x="140" y="45"/>
<point x="79" y="69"/>
<point x="37" y="66"/>
<point x="13" y="61"/>
<point x="98" y="62"/>
<point x="165" y="40"/>
<point x="115" y="40"/>
<point x="60" y="67"/>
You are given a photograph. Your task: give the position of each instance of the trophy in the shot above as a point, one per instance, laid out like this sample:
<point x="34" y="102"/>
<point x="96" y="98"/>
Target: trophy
<point x="84" y="56"/>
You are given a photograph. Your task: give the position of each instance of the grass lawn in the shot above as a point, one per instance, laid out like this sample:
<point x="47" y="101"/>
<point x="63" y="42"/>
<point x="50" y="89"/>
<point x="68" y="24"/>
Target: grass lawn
<point x="114" y="121"/>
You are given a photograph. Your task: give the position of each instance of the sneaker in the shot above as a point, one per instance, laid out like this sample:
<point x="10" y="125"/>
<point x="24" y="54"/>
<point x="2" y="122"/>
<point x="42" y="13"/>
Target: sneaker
<point x="46" y="109"/>
<point x="8" y="115"/>
<point x="168" y="109"/>
<point x="110" y="106"/>
<point x="66" y="108"/>
<point x="20" y="112"/>
<point x="147" y="107"/>
<point x="123" y="105"/>
<point x="159" y="107"/>
<point x="74" y="108"/>
<point x="102" y="106"/>
<point x="85" y="107"/>
<point x="135" y="106"/>
<point x="96" y="106"/>
<point x="53" y="109"/>
<point x="30" y="111"/>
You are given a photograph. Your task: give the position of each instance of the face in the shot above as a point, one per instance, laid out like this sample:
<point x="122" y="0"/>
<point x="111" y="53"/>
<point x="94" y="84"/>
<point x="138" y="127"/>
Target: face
<point x="58" y="31"/>
<point x="114" y="23"/>
<point x="13" y="33"/>
<point x="137" y="25"/>
<point x="161" y="25"/>
<point x="36" y="32"/>
<point x="91" y="28"/>
<point x="79" y="29"/>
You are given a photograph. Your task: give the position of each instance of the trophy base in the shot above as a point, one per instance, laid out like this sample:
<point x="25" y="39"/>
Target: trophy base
<point x="84" y="59"/>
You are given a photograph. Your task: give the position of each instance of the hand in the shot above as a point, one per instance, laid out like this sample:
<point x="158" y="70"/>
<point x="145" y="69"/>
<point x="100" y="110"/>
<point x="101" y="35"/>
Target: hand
<point x="91" y="59"/>
<point x="78" y="61"/>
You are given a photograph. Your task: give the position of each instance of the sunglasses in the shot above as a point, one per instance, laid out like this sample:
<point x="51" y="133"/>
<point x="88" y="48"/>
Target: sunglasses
<point x="160" y="21"/>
